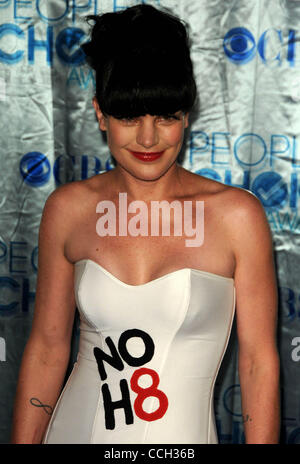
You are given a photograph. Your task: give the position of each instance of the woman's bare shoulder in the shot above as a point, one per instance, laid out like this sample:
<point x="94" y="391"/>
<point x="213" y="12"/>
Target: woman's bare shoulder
<point x="239" y="204"/>
<point x="74" y="194"/>
<point x="243" y="202"/>
<point x="233" y="203"/>
<point x="241" y="212"/>
<point x="233" y="197"/>
<point x="244" y="215"/>
<point x="63" y="199"/>
<point x="70" y="201"/>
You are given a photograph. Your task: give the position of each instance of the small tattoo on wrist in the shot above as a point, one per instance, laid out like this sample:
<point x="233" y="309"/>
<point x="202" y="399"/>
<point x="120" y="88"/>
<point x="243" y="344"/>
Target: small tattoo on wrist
<point x="36" y="402"/>
<point x="247" y="418"/>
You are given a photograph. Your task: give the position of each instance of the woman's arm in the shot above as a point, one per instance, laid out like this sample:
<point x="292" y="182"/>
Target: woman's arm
<point x="256" y="315"/>
<point x="46" y="355"/>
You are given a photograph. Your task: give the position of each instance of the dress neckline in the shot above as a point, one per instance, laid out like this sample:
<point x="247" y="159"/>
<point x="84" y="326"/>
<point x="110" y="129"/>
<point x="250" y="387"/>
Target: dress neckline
<point x="150" y="282"/>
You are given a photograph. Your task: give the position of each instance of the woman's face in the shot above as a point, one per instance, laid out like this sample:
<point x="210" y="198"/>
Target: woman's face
<point x="146" y="146"/>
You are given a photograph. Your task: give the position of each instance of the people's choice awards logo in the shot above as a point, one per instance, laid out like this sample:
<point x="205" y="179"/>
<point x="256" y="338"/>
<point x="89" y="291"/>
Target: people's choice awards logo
<point x="115" y="359"/>
<point x="270" y="188"/>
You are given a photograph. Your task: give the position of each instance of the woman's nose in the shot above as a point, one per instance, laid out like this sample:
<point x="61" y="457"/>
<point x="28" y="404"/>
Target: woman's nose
<point x="147" y="133"/>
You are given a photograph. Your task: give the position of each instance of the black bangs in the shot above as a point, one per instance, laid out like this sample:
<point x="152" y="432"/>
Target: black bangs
<point x="142" y="61"/>
<point x="136" y="87"/>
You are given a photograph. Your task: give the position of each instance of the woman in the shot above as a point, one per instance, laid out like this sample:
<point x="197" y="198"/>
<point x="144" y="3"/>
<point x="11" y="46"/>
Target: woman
<point x="156" y="313"/>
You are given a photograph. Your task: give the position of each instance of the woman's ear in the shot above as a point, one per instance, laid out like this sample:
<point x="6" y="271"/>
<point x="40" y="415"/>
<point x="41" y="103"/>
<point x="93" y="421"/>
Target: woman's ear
<point x="100" y="116"/>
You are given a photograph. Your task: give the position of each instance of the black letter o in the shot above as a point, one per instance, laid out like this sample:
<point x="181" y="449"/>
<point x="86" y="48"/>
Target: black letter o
<point x="149" y="347"/>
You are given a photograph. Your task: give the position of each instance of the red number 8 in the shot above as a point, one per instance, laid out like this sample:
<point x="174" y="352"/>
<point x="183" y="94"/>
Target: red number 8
<point x="144" y="393"/>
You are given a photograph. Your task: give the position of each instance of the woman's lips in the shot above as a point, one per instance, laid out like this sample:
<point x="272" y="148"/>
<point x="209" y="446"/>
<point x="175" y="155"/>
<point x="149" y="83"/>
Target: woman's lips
<point x="147" y="156"/>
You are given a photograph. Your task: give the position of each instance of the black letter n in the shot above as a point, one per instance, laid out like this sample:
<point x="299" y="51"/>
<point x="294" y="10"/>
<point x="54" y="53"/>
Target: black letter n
<point x="114" y="359"/>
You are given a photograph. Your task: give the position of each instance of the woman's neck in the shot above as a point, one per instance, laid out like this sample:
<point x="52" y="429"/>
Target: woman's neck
<point x="169" y="185"/>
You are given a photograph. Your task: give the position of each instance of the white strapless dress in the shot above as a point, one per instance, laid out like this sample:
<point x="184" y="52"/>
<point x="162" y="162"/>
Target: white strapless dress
<point x="148" y="359"/>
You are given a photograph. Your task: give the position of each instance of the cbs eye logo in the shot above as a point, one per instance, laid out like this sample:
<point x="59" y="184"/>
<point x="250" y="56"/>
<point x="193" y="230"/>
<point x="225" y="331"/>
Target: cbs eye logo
<point x="35" y="168"/>
<point x="240" y="46"/>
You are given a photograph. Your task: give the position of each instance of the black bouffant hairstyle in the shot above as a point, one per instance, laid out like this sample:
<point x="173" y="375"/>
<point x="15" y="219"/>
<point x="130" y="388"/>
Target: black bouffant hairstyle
<point x="142" y="61"/>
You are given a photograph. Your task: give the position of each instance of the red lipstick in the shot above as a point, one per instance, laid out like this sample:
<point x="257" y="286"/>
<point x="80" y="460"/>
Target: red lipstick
<point x="147" y="156"/>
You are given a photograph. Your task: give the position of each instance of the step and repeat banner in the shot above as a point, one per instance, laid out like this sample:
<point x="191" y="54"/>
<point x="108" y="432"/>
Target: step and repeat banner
<point x="245" y="133"/>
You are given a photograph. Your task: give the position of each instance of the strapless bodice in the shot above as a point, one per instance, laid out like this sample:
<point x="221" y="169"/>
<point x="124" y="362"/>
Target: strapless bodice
<point x="148" y="358"/>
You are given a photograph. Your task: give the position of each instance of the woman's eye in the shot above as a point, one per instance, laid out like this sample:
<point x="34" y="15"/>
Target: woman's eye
<point x="129" y="121"/>
<point x="168" y="118"/>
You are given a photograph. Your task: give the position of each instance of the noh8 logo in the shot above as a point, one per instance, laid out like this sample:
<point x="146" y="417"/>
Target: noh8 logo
<point x="116" y="360"/>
